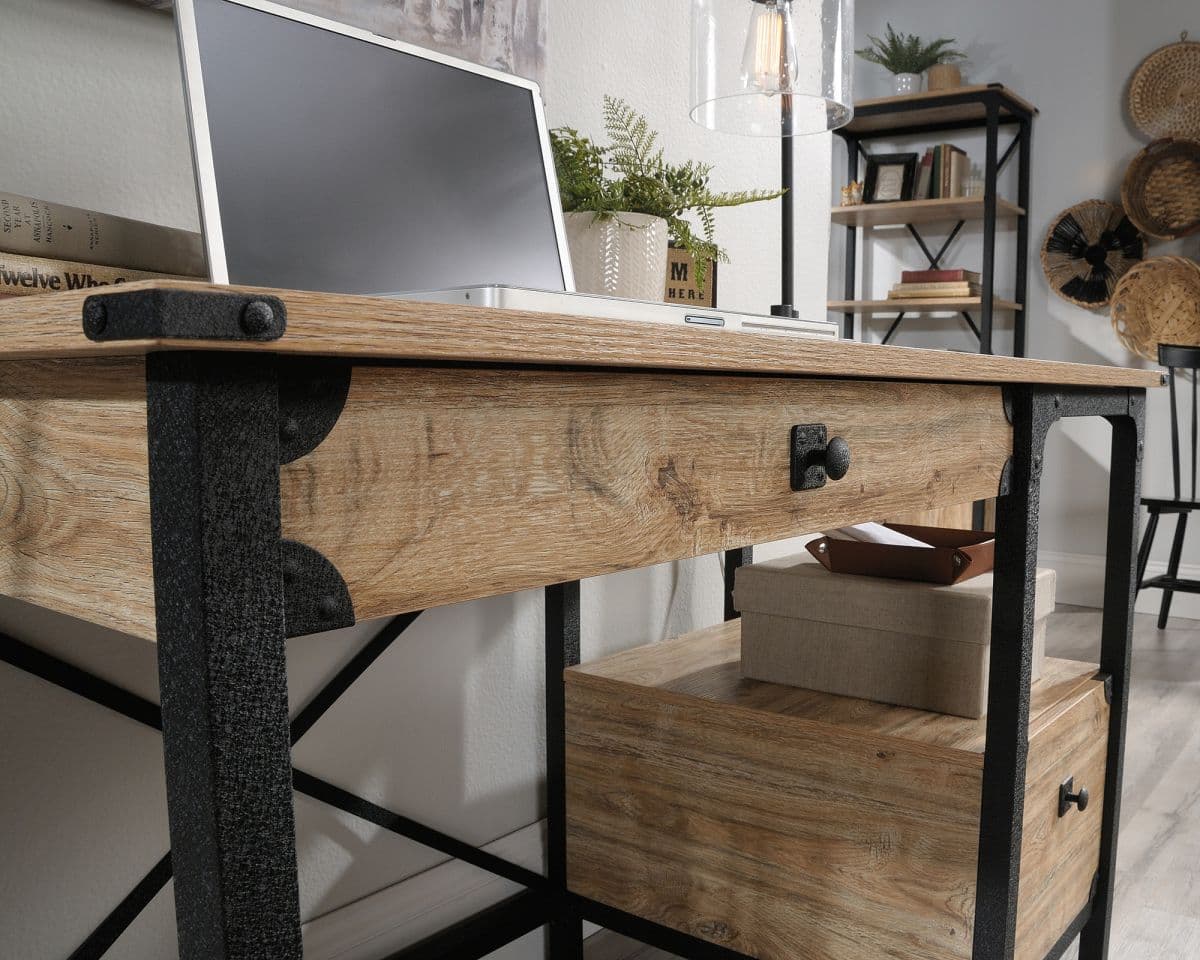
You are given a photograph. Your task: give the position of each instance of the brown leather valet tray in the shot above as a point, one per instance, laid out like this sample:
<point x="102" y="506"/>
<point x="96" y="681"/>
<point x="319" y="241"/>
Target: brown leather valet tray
<point x="953" y="555"/>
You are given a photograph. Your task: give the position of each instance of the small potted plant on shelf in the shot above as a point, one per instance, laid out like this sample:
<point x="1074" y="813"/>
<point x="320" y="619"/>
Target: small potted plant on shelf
<point x="624" y="202"/>
<point x="907" y="57"/>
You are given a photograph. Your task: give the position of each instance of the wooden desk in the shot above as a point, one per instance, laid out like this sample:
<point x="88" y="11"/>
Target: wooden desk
<point x="216" y="469"/>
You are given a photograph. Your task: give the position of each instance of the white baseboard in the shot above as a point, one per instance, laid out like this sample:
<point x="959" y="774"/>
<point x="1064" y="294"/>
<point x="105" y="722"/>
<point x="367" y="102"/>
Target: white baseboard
<point x="404" y="913"/>
<point x="1081" y="582"/>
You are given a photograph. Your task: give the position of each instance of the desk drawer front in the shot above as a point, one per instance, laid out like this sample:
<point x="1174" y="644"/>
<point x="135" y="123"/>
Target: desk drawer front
<point x="442" y="485"/>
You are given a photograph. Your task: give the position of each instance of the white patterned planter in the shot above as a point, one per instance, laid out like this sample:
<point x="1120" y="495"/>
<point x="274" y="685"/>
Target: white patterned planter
<point x="624" y="255"/>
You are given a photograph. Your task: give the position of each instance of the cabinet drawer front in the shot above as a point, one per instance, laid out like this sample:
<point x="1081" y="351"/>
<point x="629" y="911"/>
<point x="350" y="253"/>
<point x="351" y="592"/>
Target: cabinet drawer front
<point x="1061" y="854"/>
<point x="440" y="485"/>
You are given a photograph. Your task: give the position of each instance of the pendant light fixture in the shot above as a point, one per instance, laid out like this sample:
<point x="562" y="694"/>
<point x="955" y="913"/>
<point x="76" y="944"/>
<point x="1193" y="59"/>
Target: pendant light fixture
<point x="774" y="68"/>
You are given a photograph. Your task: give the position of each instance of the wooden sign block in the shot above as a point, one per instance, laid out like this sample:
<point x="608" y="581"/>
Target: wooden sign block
<point x="681" y="281"/>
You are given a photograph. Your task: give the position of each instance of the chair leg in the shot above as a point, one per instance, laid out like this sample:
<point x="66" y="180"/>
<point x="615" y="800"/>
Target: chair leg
<point x="1147" y="544"/>
<point x="1172" y="569"/>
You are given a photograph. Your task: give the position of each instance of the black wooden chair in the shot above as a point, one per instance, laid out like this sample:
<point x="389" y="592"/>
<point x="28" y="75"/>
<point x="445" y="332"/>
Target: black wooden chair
<point x="1174" y="359"/>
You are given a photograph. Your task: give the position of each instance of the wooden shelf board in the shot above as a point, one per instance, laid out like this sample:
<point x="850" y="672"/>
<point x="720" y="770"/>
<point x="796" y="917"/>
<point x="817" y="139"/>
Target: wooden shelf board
<point x="921" y="211"/>
<point x="925" y="305"/>
<point x="918" y="109"/>
<point x="706" y="665"/>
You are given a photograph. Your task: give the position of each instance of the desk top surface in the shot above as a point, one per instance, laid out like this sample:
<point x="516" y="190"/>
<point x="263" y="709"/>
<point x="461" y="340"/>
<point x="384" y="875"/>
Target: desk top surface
<point x="375" y="329"/>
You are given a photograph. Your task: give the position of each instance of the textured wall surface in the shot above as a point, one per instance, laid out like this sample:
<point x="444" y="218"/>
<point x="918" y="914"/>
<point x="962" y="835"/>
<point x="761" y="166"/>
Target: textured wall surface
<point x="446" y="726"/>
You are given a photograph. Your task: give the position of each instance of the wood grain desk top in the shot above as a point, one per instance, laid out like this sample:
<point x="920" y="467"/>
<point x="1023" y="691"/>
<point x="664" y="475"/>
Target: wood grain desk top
<point x="372" y="328"/>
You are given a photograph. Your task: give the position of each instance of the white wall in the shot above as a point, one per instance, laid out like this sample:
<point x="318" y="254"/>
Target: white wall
<point x="1073" y="60"/>
<point x="446" y="727"/>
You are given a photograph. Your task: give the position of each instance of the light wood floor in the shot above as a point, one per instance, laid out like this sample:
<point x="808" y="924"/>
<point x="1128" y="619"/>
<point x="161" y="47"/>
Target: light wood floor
<point x="1158" y="879"/>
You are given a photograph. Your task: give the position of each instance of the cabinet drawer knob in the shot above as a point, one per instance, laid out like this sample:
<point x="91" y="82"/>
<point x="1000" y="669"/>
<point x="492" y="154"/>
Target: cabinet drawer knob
<point x="837" y="458"/>
<point x="1068" y="796"/>
<point x="816" y="458"/>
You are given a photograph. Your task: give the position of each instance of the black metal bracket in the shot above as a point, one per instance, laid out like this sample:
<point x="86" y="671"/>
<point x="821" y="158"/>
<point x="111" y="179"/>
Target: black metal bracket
<point x="808" y="456"/>
<point x="312" y="396"/>
<point x="315" y="597"/>
<point x="1006" y="475"/>
<point x="183" y="315"/>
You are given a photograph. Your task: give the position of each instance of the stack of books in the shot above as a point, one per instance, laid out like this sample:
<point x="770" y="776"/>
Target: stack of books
<point x="931" y="284"/>
<point x="943" y="173"/>
<point x="51" y="247"/>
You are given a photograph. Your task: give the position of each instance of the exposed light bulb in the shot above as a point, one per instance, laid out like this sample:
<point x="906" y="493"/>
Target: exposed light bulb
<point x="769" y="61"/>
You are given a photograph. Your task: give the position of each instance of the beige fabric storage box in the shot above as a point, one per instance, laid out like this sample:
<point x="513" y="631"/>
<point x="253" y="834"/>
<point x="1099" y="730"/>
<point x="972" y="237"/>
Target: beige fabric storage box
<point x="892" y="641"/>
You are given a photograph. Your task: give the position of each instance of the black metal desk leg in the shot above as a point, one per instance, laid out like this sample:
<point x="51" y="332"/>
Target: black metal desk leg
<point x="564" y="934"/>
<point x="214" y="490"/>
<point x="1116" y="644"/>
<point x="1003" y="802"/>
<point x="734" y="561"/>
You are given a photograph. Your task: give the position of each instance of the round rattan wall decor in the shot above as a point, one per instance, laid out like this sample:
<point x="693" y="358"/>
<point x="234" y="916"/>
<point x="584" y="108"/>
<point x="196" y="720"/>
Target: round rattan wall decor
<point x="1158" y="301"/>
<point x="1164" y="94"/>
<point x="1088" y="248"/>
<point x="1161" y="189"/>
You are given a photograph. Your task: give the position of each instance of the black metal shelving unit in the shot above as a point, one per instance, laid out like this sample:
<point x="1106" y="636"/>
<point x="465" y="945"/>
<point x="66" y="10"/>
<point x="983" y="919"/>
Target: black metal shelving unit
<point x="967" y="108"/>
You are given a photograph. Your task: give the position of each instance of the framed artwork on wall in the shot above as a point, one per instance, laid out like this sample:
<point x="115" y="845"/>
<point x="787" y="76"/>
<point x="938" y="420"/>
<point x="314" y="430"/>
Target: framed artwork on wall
<point x="890" y="177"/>
<point x="509" y="35"/>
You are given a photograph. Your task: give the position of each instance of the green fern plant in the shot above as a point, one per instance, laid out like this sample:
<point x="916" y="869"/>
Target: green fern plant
<point x="907" y="53"/>
<point x="632" y="175"/>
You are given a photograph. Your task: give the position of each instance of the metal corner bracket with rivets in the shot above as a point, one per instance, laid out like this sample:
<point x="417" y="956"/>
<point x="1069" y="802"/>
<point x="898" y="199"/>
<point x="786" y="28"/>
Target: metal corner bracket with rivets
<point x="159" y="314"/>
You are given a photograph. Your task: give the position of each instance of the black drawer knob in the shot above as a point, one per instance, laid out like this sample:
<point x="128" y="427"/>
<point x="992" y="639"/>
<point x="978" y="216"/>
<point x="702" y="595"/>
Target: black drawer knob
<point x="1067" y="796"/>
<point x="837" y="458"/>
<point x="816" y="458"/>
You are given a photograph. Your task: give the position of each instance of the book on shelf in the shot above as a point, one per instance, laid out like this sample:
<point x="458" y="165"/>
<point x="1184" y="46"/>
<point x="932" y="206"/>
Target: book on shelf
<point x="22" y="276"/>
<point x="956" y="274"/>
<point x="948" y="170"/>
<point x="960" y="166"/>
<point x="55" y="231"/>
<point x="903" y="291"/>
<point x="924" y="176"/>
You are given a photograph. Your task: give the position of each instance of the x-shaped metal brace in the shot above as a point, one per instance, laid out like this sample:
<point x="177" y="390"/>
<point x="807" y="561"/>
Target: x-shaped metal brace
<point x="130" y="705"/>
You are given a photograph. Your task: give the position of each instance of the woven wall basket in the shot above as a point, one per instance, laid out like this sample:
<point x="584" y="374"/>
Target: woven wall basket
<point x="1164" y="94"/>
<point x="1088" y="248"/>
<point x="1161" y="189"/>
<point x="1158" y="301"/>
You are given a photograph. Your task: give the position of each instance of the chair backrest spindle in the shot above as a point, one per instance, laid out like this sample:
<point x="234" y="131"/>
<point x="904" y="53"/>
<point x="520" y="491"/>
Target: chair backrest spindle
<point x="1179" y="359"/>
<point x="1194" y="379"/>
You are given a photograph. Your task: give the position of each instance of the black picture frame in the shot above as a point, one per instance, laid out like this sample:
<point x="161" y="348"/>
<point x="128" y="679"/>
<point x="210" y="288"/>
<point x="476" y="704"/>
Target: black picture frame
<point x="907" y="162"/>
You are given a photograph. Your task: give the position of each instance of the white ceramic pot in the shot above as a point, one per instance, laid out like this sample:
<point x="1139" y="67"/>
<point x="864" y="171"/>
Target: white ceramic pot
<point x="624" y="255"/>
<point x="905" y="83"/>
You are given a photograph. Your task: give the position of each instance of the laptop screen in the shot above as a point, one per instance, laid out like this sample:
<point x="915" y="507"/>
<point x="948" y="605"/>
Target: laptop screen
<point x="341" y="165"/>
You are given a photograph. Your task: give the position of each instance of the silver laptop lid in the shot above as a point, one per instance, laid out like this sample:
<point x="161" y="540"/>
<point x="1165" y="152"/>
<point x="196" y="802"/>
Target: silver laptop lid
<point x="329" y="158"/>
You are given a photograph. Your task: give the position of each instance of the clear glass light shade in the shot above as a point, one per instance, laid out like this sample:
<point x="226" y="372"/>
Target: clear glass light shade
<point x="772" y="68"/>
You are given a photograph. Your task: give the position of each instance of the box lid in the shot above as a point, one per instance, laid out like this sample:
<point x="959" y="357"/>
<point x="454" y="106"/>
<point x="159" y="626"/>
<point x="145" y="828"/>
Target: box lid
<point x="801" y="588"/>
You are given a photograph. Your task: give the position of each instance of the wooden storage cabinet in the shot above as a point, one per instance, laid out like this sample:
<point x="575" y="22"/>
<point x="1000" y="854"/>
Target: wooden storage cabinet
<point x="785" y="823"/>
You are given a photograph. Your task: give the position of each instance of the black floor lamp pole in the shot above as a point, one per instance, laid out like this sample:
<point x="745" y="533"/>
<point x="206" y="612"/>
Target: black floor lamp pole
<point x="786" y="306"/>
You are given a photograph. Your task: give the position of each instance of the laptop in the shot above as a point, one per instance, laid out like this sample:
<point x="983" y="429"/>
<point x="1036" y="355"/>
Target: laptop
<point x="333" y="159"/>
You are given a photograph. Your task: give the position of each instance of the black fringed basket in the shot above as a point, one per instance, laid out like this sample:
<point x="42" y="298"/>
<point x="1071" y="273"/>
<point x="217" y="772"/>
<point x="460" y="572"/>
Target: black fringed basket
<point x="1088" y="248"/>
